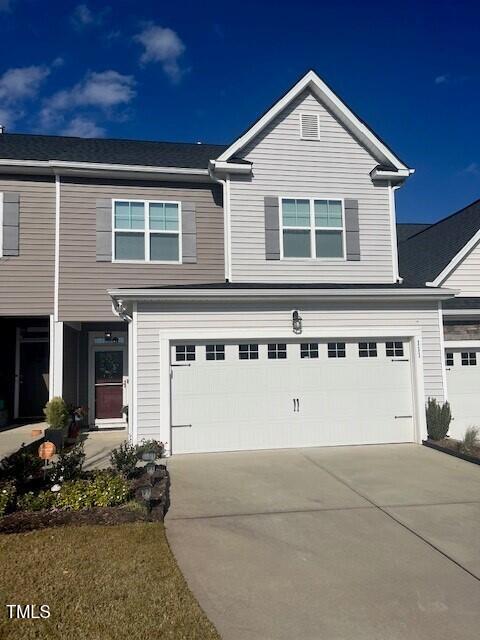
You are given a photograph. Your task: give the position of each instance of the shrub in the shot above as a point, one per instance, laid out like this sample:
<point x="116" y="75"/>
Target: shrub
<point x="151" y="446"/>
<point x="56" y="413"/>
<point x="470" y="442"/>
<point x="439" y="417"/>
<point x="20" y="466"/>
<point x="69" y="464"/>
<point x="36" y="501"/>
<point x="124" y="459"/>
<point x="8" y="492"/>
<point x="104" y="489"/>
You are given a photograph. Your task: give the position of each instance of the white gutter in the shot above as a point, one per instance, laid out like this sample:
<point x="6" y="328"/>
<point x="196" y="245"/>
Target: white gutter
<point x="384" y="174"/>
<point x="52" y="165"/>
<point x="127" y="295"/>
<point x="231" y="167"/>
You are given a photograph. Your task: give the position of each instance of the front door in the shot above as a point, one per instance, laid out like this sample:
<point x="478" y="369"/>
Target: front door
<point x="33" y="379"/>
<point x="108" y="382"/>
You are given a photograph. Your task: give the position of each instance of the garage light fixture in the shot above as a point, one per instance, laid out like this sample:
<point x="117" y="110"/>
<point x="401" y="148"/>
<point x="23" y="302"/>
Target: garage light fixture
<point x="296" y="322"/>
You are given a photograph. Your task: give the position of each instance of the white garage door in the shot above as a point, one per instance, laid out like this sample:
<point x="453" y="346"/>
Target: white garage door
<point x="261" y="395"/>
<point x="463" y="385"/>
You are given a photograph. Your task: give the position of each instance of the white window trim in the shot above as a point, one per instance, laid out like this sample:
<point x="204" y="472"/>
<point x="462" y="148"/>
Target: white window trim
<point x="147" y="231"/>
<point x="312" y="229"/>
<point x="1" y="224"/>
<point x="315" y="115"/>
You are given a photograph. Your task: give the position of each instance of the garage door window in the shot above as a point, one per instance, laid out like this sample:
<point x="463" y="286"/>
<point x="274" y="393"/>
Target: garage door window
<point x="277" y="351"/>
<point x="248" y="351"/>
<point x="394" y="349"/>
<point x="184" y="352"/>
<point x="367" y="349"/>
<point x="469" y="358"/>
<point x="336" y="349"/>
<point x="449" y="359"/>
<point x="309" y="350"/>
<point x="215" y="352"/>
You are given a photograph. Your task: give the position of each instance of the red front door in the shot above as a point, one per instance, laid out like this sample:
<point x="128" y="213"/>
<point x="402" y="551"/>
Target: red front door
<point x="108" y="383"/>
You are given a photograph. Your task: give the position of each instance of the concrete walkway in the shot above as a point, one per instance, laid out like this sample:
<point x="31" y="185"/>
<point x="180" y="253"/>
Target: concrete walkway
<point x="12" y="439"/>
<point x="347" y="543"/>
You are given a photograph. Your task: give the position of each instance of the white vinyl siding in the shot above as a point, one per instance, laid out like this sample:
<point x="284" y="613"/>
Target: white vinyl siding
<point x="153" y="318"/>
<point x="466" y="276"/>
<point x="336" y="166"/>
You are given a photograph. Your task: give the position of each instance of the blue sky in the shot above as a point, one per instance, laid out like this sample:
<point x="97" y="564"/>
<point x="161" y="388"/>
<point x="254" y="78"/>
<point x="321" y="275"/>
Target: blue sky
<point x="202" y="71"/>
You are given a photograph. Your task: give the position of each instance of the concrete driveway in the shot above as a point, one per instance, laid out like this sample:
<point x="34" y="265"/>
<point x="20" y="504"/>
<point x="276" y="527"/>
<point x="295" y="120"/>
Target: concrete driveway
<point x="346" y="543"/>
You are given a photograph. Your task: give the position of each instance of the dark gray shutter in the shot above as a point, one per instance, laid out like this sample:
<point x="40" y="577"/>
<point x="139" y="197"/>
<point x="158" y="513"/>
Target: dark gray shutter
<point x="11" y="224"/>
<point x="104" y="230"/>
<point x="352" y="230"/>
<point x="272" y="229"/>
<point x="189" y="233"/>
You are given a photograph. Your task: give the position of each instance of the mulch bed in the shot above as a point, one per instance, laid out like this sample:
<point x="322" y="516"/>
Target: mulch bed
<point x="22" y="521"/>
<point x="450" y="447"/>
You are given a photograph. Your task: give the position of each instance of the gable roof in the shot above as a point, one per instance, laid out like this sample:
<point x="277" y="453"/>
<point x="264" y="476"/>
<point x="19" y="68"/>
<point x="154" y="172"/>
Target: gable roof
<point x="21" y="146"/>
<point x="406" y="230"/>
<point x="430" y="254"/>
<point x="311" y="80"/>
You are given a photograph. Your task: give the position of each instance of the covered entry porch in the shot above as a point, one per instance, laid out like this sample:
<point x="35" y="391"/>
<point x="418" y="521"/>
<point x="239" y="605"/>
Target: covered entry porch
<point x="95" y="372"/>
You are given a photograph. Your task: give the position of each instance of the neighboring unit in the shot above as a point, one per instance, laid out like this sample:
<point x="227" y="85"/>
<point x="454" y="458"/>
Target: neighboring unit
<point x="221" y="297"/>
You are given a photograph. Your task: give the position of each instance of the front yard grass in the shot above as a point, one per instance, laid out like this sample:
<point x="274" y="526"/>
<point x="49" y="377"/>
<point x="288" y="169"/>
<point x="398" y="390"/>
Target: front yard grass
<point x="101" y="583"/>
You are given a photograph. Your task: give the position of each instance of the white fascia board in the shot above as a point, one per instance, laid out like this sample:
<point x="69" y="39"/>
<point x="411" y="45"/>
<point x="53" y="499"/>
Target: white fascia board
<point x="333" y="102"/>
<point x="462" y="344"/>
<point x="231" y="167"/>
<point x="382" y="174"/>
<point x="474" y="240"/>
<point x="475" y="313"/>
<point x="128" y="295"/>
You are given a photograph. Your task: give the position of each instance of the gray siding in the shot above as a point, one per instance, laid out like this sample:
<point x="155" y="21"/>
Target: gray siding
<point x="152" y="318"/>
<point x="336" y="166"/>
<point x="466" y="276"/>
<point x="84" y="281"/>
<point x="27" y="280"/>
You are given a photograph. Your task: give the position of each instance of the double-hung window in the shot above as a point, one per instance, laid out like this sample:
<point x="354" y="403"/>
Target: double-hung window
<point x="312" y="228"/>
<point x="146" y="231"/>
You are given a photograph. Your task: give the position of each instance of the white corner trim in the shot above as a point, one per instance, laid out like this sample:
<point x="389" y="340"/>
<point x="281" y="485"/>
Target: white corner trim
<point x="132" y="372"/>
<point x="57" y="248"/>
<point x="442" y="352"/>
<point x="1" y="224"/>
<point x="333" y="102"/>
<point x="55" y="382"/>
<point x="474" y="240"/>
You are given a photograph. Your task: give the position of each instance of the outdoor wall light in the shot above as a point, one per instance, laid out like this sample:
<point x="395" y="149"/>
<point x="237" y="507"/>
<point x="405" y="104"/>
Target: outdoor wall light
<point x="146" y="492"/>
<point x="150" y="467"/>
<point x="108" y="335"/>
<point x="296" y="322"/>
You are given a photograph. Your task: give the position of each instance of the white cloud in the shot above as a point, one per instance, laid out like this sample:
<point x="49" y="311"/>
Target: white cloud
<point x="443" y="79"/>
<point x="21" y="83"/>
<point x="104" y="91"/>
<point x="162" y="45"/>
<point x="8" y="117"/>
<point x="472" y="169"/>
<point x="83" y="17"/>
<point x="83" y="128"/>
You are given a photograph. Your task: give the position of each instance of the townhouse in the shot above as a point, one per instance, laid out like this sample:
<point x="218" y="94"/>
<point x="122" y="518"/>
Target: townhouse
<point x="216" y="297"/>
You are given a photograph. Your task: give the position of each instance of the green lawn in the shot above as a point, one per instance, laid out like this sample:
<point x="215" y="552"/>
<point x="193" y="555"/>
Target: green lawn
<point x="101" y="583"/>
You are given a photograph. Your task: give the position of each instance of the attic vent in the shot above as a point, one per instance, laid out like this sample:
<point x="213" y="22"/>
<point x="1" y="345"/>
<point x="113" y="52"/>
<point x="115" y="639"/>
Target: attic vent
<point x="309" y="126"/>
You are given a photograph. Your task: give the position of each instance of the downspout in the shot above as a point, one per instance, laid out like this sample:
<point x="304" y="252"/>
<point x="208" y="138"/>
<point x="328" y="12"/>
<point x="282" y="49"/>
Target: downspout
<point x="393" y="219"/>
<point x="226" y="220"/>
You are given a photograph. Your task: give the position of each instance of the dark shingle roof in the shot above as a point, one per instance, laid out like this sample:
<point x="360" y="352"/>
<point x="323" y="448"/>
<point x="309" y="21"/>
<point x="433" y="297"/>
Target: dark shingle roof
<point x="406" y="230"/>
<point x="20" y="146"/>
<point x="424" y="256"/>
<point x="462" y="303"/>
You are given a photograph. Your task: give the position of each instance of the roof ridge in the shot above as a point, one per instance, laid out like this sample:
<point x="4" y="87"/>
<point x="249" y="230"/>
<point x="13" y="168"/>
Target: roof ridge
<point x="452" y="215"/>
<point x="58" y="137"/>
